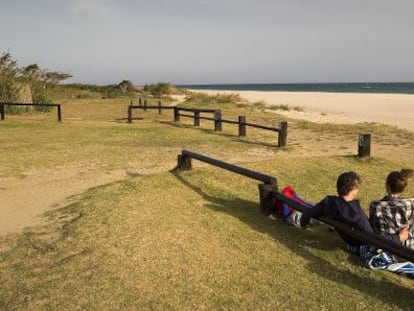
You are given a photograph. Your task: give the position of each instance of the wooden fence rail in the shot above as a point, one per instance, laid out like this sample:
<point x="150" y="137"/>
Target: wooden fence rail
<point x="2" y="110"/>
<point x="216" y="118"/>
<point x="184" y="164"/>
<point x="145" y="107"/>
<point x="268" y="193"/>
<point x="241" y="122"/>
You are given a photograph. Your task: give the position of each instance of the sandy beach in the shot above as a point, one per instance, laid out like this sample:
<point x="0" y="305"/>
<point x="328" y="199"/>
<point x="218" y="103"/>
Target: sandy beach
<point x="348" y="108"/>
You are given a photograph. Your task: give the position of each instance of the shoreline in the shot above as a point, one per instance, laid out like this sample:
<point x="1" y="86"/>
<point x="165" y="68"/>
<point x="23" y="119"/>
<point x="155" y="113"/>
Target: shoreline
<point x="331" y="107"/>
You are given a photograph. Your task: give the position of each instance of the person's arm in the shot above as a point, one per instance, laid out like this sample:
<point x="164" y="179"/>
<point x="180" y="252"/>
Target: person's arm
<point x="396" y="238"/>
<point x="312" y="212"/>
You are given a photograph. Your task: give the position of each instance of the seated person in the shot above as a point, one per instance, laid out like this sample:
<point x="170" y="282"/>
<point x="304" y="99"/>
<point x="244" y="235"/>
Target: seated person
<point x="345" y="208"/>
<point x="393" y="213"/>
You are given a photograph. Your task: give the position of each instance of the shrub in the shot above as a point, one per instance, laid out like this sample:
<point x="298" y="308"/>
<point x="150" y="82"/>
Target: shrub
<point x="8" y="78"/>
<point x="40" y="108"/>
<point x="16" y="109"/>
<point x="206" y="99"/>
<point x="162" y="89"/>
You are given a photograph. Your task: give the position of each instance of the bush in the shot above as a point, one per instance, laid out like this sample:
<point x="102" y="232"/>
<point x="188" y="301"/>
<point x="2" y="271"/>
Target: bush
<point x="40" y="108"/>
<point x="162" y="89"/>
<point x="205" y="99"/>
<point x="9" y="73"/>
<point x="93" y="91"/>
<point x="16" y="109"/>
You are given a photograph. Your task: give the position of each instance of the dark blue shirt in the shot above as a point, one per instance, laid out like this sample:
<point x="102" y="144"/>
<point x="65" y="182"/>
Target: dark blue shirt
<point x="348" y="212"/>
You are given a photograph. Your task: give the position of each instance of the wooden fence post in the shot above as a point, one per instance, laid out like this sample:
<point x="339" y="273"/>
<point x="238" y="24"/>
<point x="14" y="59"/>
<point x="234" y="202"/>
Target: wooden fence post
<point x="196" y="118"/>
<point x="282" y="134"/>
<point x="59" y="112"/>
<point x="176" y="114"/>
<point x="140" y="102"/>
<point x="364" y="145"/>
<point x="184" y="162"/>
<point x="242" y="125"/>
<point x="217" y="121"/>
<point x="2" y="111"/>
<point x="159" y="107"/>
<point x="267" y="199"/>
<point x="145" y="105"/>
<point x="129" y="114"/>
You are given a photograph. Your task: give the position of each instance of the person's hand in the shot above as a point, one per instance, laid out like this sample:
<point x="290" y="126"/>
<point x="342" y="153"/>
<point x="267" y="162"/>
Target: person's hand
<point x="403" y="234"/>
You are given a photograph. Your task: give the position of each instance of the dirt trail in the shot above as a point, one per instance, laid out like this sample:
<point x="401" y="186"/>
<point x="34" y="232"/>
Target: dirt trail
<point x="23" y="201"/>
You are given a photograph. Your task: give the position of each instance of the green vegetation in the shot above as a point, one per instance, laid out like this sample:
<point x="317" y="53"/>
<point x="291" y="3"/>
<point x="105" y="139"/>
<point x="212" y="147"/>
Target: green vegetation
<point x="263" y="106"/>
<point x="31" y="84"/>
<point x="162" y="89"/>
<point x="284" y="107"/>
<point x="89" y="91"/>
<point x="8" y="76"/>
<point x="26" y="84"/>
<point x="169" y="240"/>
<point x="207" y="100"/>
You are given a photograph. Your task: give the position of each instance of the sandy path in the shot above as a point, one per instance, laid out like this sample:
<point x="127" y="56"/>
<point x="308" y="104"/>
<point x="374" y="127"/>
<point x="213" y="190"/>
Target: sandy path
<point x="349" y="108"/>
<point x="23" y="201"/>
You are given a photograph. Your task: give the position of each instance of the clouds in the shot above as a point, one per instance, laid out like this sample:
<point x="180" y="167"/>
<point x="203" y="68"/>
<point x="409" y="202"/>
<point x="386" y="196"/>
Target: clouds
<point x="90" y="6"/>
<point x="201" y="41"/>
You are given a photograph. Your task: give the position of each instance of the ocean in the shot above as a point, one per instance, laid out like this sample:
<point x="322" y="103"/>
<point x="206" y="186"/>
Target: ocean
<point x="392" y="87"/>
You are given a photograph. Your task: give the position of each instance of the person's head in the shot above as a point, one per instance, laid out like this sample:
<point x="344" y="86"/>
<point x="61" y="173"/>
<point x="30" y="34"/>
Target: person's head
<point x="347" y="182"/>
<point x="397" y="181"/>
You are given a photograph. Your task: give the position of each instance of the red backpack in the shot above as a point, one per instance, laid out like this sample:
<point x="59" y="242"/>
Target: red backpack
<point x="283" y="209"/>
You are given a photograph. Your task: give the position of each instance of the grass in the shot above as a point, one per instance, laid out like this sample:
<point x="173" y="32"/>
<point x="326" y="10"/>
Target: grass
<point x="185" y="240"/>
<point x="285" y="107"/>
<point x="203" y="99"/>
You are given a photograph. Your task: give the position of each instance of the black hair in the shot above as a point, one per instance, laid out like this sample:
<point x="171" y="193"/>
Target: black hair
<point x="347" y="182"/>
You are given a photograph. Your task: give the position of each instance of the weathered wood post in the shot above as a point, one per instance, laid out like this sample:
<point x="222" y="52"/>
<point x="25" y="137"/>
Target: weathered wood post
<point x="59" y="112"/>
<point x="217" y="121"/>
<point x="159" y="107"/>
<point x="129" y="114"/>
<point x="145" y="105"/>
<point x="2" y="111"/>
<point x="140" y="102"/>
<point x="196" y="118"/>
<point x="176" y="114"/>
<point x="184" y="162"/>
<point x="364" y="145"/>
<point x="282" y="134"/>
<point x="242" y="125"/>
<point x="267" y="199"/>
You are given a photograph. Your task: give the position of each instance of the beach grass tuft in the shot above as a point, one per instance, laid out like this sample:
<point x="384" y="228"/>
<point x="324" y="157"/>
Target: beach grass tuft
<point x="284" y="107"/>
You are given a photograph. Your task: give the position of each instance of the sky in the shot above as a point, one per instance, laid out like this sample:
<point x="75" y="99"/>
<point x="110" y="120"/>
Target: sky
<point x="213" y="41"/>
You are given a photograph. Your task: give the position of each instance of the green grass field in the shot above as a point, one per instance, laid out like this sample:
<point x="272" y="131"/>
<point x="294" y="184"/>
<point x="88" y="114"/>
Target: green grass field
<point x="196" y="240"/>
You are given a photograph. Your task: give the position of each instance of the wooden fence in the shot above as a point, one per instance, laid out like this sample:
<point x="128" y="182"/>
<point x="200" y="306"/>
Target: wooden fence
<point x="3" y="113"/>
<point x="268" y="194"/>
<point x="216" y="117"/>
